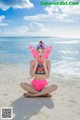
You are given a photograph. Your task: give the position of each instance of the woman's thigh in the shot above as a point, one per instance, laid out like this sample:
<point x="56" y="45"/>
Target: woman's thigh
<point x="28" y="87"/>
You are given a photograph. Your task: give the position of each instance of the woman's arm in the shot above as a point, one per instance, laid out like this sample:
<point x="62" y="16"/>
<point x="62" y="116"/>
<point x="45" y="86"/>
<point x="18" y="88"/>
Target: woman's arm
<point x="33" y="67"/>
<point x="47" y="67"/>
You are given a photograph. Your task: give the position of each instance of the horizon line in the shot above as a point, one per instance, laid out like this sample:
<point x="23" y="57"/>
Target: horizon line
<point x="38" y="36"/>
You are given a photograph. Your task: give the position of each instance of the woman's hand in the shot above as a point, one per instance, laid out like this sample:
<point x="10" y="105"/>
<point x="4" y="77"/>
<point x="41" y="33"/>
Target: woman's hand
<point x="36" y="61"/>
<point x="44" y="62"/>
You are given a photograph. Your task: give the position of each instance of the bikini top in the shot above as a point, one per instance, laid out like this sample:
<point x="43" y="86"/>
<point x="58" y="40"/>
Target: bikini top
<point x="40" y="69"/>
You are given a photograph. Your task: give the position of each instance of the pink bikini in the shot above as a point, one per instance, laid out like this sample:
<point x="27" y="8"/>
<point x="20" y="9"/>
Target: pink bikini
<point x="39" y="84"/>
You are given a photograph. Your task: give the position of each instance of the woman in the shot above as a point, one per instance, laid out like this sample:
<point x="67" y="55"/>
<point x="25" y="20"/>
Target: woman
<point x="40" y="71"/>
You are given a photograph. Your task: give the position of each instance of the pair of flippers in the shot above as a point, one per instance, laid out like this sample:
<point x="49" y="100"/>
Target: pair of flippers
<point x="45" y="55"/>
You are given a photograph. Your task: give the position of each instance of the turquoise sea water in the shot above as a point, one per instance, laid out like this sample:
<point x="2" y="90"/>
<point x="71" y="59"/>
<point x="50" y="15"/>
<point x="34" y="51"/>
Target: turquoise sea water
<point x="65" y="57"/>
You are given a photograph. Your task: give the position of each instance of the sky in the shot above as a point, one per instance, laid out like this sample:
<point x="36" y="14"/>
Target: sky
<point x="29" y="18"/>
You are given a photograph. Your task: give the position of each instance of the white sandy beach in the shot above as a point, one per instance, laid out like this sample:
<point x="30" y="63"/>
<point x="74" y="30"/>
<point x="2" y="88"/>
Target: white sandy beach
<point x="63" y="105"/>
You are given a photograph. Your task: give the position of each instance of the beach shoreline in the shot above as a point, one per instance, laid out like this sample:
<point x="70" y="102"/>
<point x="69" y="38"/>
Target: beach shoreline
<point x="66" y="99"/>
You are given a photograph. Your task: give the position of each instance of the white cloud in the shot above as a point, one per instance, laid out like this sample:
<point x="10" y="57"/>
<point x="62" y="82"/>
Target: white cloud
<point x="36" y="17"/>
<point x="2" y="18"/>
<point x="3" y="24"/>
<point x="2" y="21"/>
<point x="57" y="13"/>
<point x="28" y="31"/>
<point x="4" y="5"/>
<point x="36" y="27"/>
<point x="32" y="28"/>
<point x="64" y="12"/>
<point x="70" y="9"/>
<point x="13" y="32"/>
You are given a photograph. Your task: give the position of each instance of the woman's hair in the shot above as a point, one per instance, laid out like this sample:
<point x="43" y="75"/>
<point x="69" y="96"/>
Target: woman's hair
<point x="41" y="45"/>
<point x="40" y="42"/>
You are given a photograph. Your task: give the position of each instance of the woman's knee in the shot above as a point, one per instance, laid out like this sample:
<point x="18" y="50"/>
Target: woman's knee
<point x="54" y="86"/>
<point x="22" y="84"/>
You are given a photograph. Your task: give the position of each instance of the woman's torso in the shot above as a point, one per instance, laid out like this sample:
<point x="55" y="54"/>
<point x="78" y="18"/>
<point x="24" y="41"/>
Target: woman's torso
<point x="40" y="72"/>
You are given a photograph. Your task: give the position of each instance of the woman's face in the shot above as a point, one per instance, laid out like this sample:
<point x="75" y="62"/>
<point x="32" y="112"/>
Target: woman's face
<point x="40" y="52"/>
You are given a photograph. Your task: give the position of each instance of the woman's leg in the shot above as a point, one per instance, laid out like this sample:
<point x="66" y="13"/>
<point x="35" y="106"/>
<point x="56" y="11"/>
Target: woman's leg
<point x="28" y="87"/>
<point x="45" y="91"/>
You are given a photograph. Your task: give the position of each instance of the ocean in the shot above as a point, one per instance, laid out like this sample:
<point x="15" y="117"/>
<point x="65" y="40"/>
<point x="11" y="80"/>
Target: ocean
<point x="65" y="56"/>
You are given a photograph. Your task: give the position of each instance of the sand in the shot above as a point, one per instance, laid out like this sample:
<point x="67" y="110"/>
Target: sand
<point x="63" y="105"/>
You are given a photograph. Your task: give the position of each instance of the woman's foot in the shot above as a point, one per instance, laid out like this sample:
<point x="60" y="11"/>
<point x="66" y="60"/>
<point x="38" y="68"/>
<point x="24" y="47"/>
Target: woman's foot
<point x="28" y="95"/>
<point x="47" y="95"/>
<point x="32" y="95"/>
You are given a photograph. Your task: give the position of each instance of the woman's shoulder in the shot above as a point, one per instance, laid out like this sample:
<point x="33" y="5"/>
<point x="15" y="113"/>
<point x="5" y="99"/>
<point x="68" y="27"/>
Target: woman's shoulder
<point x="32" y="61"/>
<point x="48" y="61"/>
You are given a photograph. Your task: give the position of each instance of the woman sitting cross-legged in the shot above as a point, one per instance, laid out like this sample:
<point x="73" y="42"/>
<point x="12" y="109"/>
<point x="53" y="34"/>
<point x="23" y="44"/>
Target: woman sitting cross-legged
<point x="39" y="71"/>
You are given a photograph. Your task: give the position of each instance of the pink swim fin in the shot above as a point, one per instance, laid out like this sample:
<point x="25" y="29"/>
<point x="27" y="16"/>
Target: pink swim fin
<point x="47" y="52"/>
<point x="35" y="53"/>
